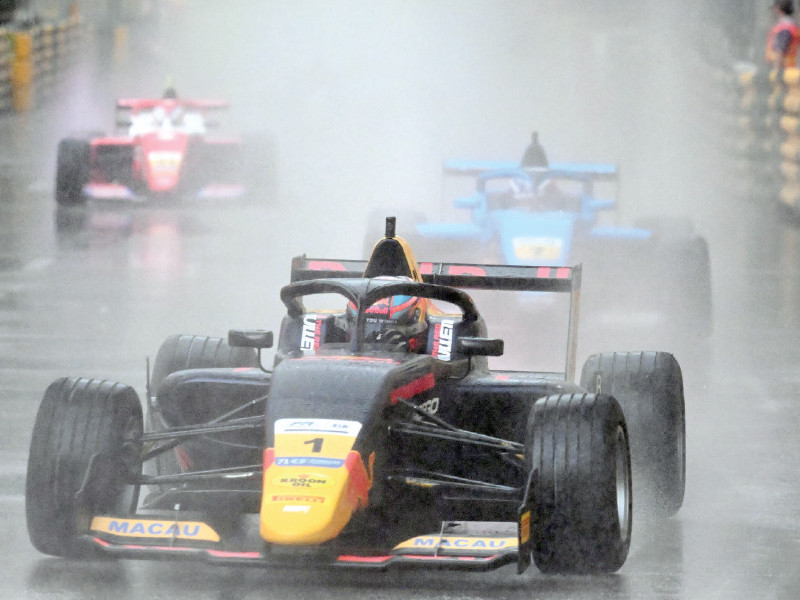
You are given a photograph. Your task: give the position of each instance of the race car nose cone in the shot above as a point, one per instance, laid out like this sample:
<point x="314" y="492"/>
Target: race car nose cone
<point x="308" y="506"/>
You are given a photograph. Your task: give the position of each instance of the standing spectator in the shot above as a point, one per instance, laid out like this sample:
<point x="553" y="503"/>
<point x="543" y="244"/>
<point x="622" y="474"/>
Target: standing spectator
<point x="784" y="37"/>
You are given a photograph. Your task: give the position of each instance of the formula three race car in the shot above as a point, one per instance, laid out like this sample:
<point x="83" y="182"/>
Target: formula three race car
<point x="161" y="147"/>
<point x="379" y="437"/>
<point x="552" y="215"/>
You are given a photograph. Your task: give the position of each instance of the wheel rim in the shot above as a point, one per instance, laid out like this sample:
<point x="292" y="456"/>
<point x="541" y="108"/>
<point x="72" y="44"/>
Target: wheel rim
<point x="623" y="478"/>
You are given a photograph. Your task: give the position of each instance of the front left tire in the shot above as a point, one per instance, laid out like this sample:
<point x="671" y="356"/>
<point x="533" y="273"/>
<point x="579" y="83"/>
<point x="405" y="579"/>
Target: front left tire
<point x="84" y="460"/>
<point x="72" y="171"/>
<point x="577" y="451"/>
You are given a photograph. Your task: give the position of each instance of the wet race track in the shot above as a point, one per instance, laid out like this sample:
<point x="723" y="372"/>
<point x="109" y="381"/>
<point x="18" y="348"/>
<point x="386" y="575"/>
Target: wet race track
<point x="359" y="115"/>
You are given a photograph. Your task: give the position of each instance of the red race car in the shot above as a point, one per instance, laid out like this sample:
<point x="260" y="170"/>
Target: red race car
<point x="162" y="147"/>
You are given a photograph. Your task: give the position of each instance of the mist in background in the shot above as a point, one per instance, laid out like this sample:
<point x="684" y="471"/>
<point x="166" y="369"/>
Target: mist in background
<point x="358" y="103"/>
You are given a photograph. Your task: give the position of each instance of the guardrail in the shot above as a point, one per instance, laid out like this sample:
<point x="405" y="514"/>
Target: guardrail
<point x="6" y="57"/>
<point x="32" y="61"/>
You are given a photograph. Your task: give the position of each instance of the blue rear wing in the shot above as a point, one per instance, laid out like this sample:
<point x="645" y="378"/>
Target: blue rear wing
<point x="512" y="278"/>
<point x="596" y="171"/>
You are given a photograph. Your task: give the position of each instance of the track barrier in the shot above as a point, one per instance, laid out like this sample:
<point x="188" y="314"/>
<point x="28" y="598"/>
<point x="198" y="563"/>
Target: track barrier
<point x="32" y="61"/>
<point x="769" y="132"/>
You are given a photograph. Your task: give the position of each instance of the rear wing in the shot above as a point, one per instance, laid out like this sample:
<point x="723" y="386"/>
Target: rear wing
<point x="566" y="280"/>
<point x="596" y="171"/>
<point x="137" y="104"/>
<point x="128" y="107"/>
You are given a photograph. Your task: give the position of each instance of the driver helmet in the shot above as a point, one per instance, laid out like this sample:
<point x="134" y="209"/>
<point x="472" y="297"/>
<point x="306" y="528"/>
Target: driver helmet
<point x="398" y="322"/>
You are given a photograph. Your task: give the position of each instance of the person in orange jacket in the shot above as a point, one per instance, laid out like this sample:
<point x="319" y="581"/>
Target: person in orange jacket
<point x="784" y="37"/>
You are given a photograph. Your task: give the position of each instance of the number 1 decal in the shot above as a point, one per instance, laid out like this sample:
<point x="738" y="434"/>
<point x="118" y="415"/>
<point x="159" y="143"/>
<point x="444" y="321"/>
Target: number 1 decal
<point x="317" y="444"/>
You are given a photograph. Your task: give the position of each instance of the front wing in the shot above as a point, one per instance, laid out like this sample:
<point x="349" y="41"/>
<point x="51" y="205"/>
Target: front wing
<point x="466" y="546"/>
<point x="119" y="192"/>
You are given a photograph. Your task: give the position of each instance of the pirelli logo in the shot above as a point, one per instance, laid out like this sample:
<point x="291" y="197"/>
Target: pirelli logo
<point x="310" y="499"/>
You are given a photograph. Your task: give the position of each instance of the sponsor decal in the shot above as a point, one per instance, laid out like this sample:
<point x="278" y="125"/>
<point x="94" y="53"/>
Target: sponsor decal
<point x="296" y="508"/>
<point x="459" y="542"/>
<point x="310" y="337"/>
<point x="381" y="307"/>
<point x="412" y="388"/>
<point x="191" y="530"/>
<point x="443" y="339"/>
<point x="466" y="270"/>
<point x="325" y="265"/>
<point x="327" y="426"/>
<point x="430" y="406"/>
<point x="525" y="527"/>
<point x="553" y="272"/>
<point x="308" y="461"/>
<point x="536" y="248"/>
<point x="426" y="268"/>
<point x="304" y="480"/>
<point x="311" y="499"/>
<point x="163" y="161"/>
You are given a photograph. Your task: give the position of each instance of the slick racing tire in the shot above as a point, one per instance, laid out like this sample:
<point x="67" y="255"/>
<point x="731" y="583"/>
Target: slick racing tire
<point x="578" y="455"/>
<point x="179" y="353"/>
<point x="85" y="459"/>
<point x="682" y="259"/>
<point x="72" y="171"/>
<point x="694" y="305"/>
<point x="649" y="387"/>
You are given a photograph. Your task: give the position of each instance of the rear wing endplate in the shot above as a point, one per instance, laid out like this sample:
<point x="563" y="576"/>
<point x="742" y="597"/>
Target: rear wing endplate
<point x="470" y="276"/>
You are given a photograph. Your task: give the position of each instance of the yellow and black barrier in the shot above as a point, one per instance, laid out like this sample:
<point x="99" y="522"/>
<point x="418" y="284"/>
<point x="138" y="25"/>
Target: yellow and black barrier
<point x="6" y="57"/>
<point x="32" y="61"/>
<point x="769" y="130"/>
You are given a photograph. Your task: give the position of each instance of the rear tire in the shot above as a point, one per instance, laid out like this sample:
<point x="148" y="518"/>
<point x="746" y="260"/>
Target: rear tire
<point x="179" y="353"/>
<point x="649" y="387"/>
<point x="81" y="422"/>
<point x="683" y="259"/>
<point x="578" y="453"/>
<point x="694" y="304"/>
<point x="72" y="171"/>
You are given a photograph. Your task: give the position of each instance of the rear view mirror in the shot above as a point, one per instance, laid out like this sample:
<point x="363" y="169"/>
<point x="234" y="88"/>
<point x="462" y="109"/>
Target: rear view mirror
<point x="249" y="338"/>
<point x="475" y="346"/>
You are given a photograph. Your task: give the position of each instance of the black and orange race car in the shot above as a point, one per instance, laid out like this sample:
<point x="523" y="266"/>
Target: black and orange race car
<point x="380" y="437"/>
<point x="160" y="147"/>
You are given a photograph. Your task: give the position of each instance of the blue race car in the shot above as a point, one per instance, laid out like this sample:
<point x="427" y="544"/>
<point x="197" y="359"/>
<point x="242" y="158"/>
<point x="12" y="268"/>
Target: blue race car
<point x="551" y="216"/>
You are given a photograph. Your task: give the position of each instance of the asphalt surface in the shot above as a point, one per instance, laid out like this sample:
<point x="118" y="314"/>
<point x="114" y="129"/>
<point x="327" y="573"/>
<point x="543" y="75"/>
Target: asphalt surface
<point x="96" y="297"/>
